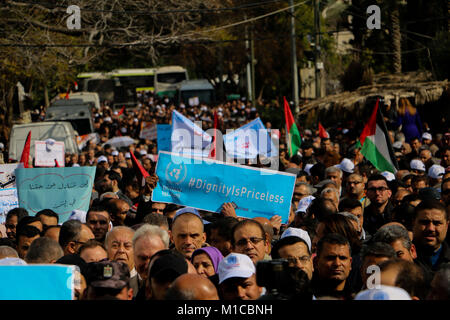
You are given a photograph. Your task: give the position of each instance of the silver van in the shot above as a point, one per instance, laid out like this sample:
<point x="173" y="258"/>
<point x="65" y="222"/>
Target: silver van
<point x="40" y="131"/>
<point x="73" y="110"/>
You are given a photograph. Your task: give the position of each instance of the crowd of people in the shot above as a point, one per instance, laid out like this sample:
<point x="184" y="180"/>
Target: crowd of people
<point x="353" y="232"/>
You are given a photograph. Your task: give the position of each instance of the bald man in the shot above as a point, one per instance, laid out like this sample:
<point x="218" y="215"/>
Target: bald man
<point x="268" y="229"/>
<point x="187" y="233"/>
<point x="192" y="287"/>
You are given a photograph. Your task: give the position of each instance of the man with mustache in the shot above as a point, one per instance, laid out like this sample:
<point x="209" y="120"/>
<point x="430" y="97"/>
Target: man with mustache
<point x="430" y="227"/>
<point x="332" y="266"/>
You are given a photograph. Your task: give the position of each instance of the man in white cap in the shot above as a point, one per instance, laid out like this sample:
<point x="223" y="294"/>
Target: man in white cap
<point x="383" y="293"/>
<point x="417" y="167"/>
<point x="435" y="173"/>
<point x="237" y="278"/>
<point x="102" y="161"/>
<point x="426" y="138"/>
<point x="295" y="246"/>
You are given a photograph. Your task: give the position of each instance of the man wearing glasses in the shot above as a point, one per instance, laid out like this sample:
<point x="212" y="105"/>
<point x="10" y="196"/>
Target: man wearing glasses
<point x="379" y="212"/>
<point x="249" y="238"/>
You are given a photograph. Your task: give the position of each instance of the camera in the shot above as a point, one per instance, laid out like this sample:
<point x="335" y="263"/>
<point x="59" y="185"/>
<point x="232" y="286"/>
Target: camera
<point x="281" y="281"/>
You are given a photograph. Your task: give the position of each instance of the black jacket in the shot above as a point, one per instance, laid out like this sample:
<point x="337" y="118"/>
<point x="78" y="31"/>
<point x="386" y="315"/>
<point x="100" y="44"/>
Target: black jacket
<point x="373" y="221"/>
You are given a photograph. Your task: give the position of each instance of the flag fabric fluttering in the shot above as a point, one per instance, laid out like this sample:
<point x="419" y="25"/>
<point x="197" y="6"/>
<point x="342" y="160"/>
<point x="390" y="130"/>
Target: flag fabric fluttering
<point x="187" y="137"/>
<point x="121" y="111"/>
<point x="212" y="152"/>
<point x="26" y="151"/>
<point x="376" y="145"/>
<point x="139" y="169"/>
<point x="323" y="134"/>
<point x="293" y="138"/>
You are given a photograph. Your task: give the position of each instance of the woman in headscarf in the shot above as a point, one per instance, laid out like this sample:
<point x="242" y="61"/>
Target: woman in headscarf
<point x="409" y="119"/>
<point x="206" y="261"/>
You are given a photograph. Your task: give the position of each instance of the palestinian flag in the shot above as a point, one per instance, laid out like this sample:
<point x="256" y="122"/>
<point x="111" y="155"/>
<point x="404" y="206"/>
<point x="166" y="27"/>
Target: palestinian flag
<point x="24" y="158"/>
<point x="293" y="138"/>
<point x="376" y="145"/>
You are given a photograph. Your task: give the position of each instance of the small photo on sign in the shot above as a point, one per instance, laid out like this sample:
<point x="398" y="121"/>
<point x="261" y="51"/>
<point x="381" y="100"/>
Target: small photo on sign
<point x="46" y="152"/>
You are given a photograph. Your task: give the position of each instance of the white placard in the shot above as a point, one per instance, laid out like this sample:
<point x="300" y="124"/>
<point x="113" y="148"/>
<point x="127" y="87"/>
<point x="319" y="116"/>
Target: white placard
<point x="8" y="201"/>
<point x="45" y="154"/>
<point x="7" y="175"/>
<point x="148" y="132"/>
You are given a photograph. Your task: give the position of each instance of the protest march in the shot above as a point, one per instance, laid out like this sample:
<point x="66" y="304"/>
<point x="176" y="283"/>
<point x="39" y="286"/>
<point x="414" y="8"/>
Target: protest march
<point x="173" y="202"/>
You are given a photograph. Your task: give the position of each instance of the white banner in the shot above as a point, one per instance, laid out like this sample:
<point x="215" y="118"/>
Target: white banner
<point x="46" y="153"/>
<point x="8" y="200"/>
<point x="148" y="132"/>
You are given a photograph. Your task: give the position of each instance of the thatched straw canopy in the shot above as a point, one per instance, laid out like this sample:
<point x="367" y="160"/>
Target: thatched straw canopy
<point x="416" y="86"/>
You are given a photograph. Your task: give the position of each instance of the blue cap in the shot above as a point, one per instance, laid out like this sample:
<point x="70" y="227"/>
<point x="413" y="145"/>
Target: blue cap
<point x="179" y="212"/>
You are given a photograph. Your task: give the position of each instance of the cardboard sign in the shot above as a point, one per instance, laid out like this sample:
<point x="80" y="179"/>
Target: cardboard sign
<point x="46" y="153"/>
<point x="37" y="282"/>
<point x="148" y="132"/>
<point x="8" y="201"/>
<point x="60" y="189"/>
<point x="8" y="175"/>
<point x="207" y="184"/>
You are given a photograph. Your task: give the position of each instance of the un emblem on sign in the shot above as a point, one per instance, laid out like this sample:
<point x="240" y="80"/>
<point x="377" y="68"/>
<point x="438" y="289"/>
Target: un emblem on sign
<point x="176" y="173"/>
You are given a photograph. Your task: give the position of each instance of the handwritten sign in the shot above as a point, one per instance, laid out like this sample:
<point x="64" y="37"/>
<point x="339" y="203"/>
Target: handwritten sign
<point x="45" y="154"/>
<point x="60" y="189"/>
<point x="84" y="139"/>
<point x="8" y="175"/>
<point x="8" y="201"/>
<point x="37" y="282"/>
<point x="206" y="184"/>
<point x="148" y="132"/>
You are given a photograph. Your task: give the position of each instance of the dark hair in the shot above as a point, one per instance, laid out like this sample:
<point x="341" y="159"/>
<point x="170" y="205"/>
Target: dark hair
<point x="18" y="212"/>
<point x="286" y="241"/>
<point x="349" y="204"/>
<point x="27" y="231"/>
<point x="332" y="238"/>
<point x="408" y="177"/>
<point x="242" y="224"/>
<point x="444" y="182"/>
<point x="90" y="244"/>
<point x="376" y="177"/>
<point x="340" y="224"/>
<point x="404" y="213"/>
<point x="44" y="250"/>
<point x="321" y="208"/>
<point x="428" y="204"/>
<point x="224" y="226"/>
<point x="416" y="179"/>
<point x="98" y="208"/>
<point x="156" y="219"/>
<point x="410" y="276"/>
<point x="26" y="221"/>
<point x="392" y="233"/>
<point x="48" y="213"/>
<point x="318" y="170"/>
<point x="377" y="249"/>
<point x="70" y="231"/>
<point x="296" y="159"/>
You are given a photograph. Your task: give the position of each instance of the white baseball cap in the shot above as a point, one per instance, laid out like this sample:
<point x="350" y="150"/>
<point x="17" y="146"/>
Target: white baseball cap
<point x="416" y="164"/>
<point x="115" y="153"/>
<point x="436" y="171"/>
<point x="143" y="152"/>
<point x="127" y="155"/>
<point x="427" y="136"/>
<point x="297" y="232"/>
<point x="397" y="145"/>
<point x="304" y="203"/>
<point x="388" y="175"/>
<point x="383" y="293"/>
<point x="308" y="168"/>
<point x="346" y="165"/>
<point x="235" y="265"/>
<point x="79" y="215"/>
<point x="102" y="159"/>
<point x="75" y="165"/>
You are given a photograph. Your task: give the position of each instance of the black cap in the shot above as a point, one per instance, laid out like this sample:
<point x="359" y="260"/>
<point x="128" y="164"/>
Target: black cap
<point x="107" y="274"/>
<point x="429" y="193"/>
<point x="74" y="259"/>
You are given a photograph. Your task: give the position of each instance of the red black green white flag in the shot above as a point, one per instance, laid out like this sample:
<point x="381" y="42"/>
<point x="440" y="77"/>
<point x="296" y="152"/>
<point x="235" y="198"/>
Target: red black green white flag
<point x="293" y="138"/>
<point x="376" y="145"/>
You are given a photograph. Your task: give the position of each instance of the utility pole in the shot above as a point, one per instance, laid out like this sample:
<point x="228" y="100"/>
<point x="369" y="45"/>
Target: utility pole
<point x="317" y="63"/>
<point x="248" y="55"/>
<point x="252" y="57"/>
<point x="294" y="60"/>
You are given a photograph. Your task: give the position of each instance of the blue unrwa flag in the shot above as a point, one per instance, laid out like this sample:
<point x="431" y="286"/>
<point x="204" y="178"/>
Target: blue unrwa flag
<point x="163" y="133"/>
<point x="187" y="136"/>
<point x="60" y="189"/>
<point x="207" y="184"/>
<point x="37" y="282"/>
<point x="249" y="141"/>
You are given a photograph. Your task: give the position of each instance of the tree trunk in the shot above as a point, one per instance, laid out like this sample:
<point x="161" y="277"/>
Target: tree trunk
<point x="47" y="101"/>
<point x="396" y="39"/>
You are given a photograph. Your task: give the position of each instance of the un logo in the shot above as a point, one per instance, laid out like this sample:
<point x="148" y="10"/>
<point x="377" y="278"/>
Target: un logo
<point x="176" y="173"/>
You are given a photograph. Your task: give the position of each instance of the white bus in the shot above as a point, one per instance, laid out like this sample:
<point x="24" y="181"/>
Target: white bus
<point x="168" y="80"/>
<point x="97" y="82"/>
